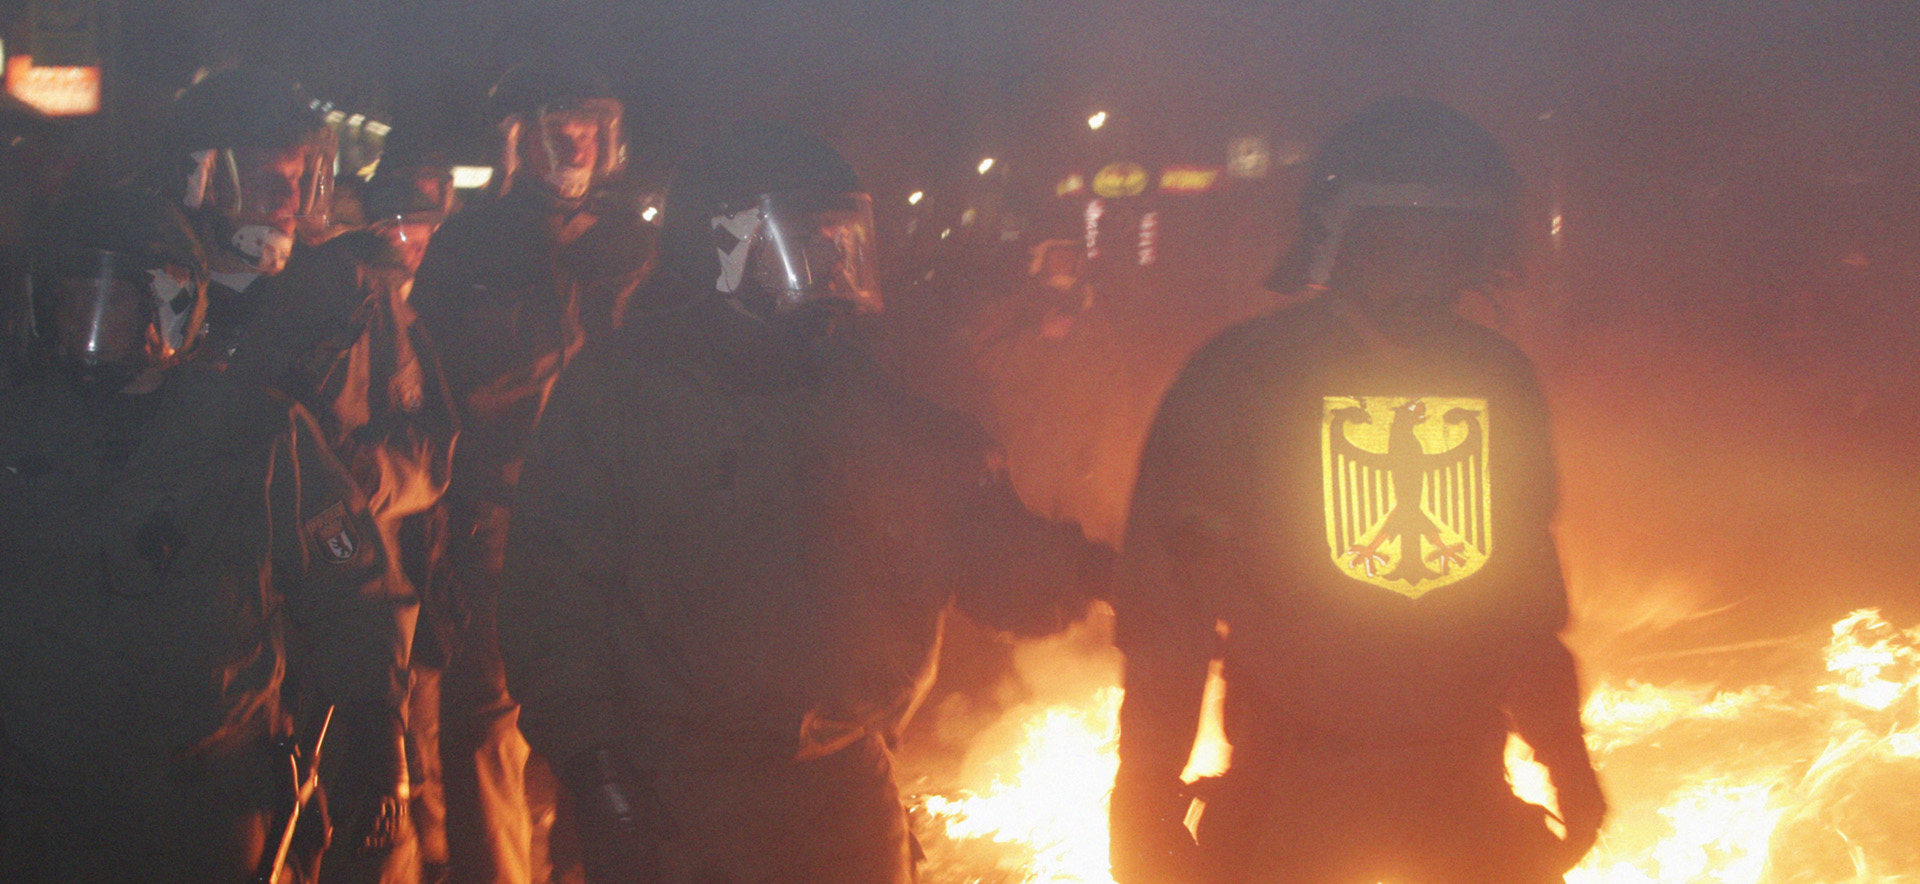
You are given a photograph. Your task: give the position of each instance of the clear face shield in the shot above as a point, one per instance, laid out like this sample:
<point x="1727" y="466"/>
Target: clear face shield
<point x="570" y="146"/>
<point x="103" y="319"/>
<point x="801" y="248"/>
<point x="267" y="195"/>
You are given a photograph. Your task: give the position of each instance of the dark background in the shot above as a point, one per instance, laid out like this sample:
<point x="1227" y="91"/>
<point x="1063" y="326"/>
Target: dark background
<point x="1727" y="325"/>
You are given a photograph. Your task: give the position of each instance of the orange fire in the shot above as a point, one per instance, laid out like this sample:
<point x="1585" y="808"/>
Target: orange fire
<point x="1816" y="782"/>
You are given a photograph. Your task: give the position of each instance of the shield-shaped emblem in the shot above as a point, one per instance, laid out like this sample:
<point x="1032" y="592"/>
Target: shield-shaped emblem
<point x="332" y="535"/>
<point x="1407" y="489"/>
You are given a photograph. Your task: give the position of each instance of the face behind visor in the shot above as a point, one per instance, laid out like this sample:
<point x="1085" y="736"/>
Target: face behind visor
<point x="108" y="317"/>
<point x="569" y="146"/>
<point x="265" y="196"/>
<point x="799" y="249"/>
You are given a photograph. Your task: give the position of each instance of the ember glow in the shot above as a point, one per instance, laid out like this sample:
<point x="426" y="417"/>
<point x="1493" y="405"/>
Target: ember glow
<point x="1814" y="780"/>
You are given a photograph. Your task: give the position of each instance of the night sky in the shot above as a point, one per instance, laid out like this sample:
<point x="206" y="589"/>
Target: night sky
<point x="1729" y="333"/>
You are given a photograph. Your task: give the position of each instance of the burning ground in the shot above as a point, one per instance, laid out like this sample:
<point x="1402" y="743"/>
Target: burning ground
<point x="1813" y="778"/>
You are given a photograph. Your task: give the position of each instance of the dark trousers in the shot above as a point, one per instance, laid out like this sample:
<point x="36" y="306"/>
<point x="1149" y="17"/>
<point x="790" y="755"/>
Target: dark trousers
<point x="1429" y="814"/>
<point x="483" y="757"/>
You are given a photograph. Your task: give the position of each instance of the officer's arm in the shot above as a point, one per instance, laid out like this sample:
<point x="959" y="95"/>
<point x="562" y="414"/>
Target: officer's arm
<point x="1165" y="625"/>
<point x="350" y="617"/>
<point x="565" y="555"/>
<point x="350" y="611"/>
<point x="1543" y="702"/>
<point x="1544" y="705"/>
<point x="1021" y="573"/>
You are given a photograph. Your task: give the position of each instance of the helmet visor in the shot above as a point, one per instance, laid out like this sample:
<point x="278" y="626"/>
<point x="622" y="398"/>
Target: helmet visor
<point x="102" y="321"/>
<point x="579" y="143"/>
<point x="265" y="185"/>
<point x="812" y="247"/>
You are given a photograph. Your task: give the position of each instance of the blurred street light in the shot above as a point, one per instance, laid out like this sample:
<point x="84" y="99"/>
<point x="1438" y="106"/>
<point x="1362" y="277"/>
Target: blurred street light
<point x="914" y="198"/>
<point x="1097" y="120"/>
<point x="985" y="165"/>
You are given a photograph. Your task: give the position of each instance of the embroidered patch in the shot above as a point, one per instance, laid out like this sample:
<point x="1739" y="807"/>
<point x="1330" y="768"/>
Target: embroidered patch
<point x="1408" y="496"/>
<point x="332" y="534"/>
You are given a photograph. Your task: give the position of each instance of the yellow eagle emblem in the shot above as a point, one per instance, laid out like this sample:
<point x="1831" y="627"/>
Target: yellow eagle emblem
<point x="1408" y="498"/>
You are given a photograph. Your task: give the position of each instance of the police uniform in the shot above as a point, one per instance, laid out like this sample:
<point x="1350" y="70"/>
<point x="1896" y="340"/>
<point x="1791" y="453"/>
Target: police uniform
<point x="1369" y="530"/>
<point x="186" y="572"/>
<point x="335" y="332"/>
<point x="510" y="289"/>
<point x="737" y="578"/>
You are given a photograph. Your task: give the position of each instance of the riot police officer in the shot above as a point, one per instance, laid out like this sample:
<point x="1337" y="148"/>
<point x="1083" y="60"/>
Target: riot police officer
<point x="511" y="287"/>
<point x="736" y="540"/>
<point x="250" y="158"/>
<point x="1357" y="492"/>
<point x="186" y="575"/>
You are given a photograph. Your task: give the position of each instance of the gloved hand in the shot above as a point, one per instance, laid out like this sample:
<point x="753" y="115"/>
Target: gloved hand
<point x="365" y="776"/>
<point x="1148" y="838"/>
<point x="1582" y="809"/>
<point x="613" y="812"/>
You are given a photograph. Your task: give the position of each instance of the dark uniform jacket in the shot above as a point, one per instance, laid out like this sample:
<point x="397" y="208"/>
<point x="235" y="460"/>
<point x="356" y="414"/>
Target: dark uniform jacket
<point x="1371" y="532"/>
<point x="698" y="565"/>
<point x="179" y="573"/>
<point x="510" y="289"/>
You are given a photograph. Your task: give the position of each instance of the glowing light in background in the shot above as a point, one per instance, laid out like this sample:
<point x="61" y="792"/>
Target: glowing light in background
<point x="1098" y="119"/>
<point x="471" y="177"/>
<point x="914" y="198"/>
<point x="986" y="165"/>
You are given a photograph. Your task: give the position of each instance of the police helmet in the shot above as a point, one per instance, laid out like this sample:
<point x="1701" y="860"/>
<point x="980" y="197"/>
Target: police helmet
<point x="535" y="104"/>
<point x="770" y="213"/>
<point x="118" y="286"/>
<point x="214" y="120"/>
<point x="1402" y="153"/>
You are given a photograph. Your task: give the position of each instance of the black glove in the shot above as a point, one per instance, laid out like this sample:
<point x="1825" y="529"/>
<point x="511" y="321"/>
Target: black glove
<point x="1148" y="838"/>
<point x="614" y="813"/>
<point x="1583" y="808"/>
<point x="364" y="773"/>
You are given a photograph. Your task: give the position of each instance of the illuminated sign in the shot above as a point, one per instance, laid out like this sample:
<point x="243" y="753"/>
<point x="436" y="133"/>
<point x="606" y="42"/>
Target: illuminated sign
<point x="1070" y="185"/>
<point x="54" y="91"/>
<point x="470" y="177"/>
<point x="1120" y="179"/>
<point x="1095" y="209"/>
<point x="1149" y="238"/>
<point x="1409" y="505"/>
<point x="1188" y="179"/>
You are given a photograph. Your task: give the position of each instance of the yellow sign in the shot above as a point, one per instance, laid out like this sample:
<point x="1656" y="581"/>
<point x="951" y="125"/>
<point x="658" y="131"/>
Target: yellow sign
<point x="1187" y="179"/>
<point x="1120" y="179"/>
<point x="1409" y="501"/>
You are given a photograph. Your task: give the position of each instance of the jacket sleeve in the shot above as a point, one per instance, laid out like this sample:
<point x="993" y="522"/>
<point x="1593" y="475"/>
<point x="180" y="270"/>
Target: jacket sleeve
<point x="1179" y="542"/>
<point x="1019" y="572"/>
<point x="565" y="555"/>
<point x="349" y="614"/>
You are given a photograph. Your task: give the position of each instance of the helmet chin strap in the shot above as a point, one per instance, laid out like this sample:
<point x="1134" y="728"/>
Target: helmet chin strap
<point x="264" y="248"/>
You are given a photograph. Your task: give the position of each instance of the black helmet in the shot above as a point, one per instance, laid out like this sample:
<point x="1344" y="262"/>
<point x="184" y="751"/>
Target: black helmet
<point x="754" y="198"/>
<point x="532" y="101"/>
<point x="119" y="285"/>
<point x="245" y="107"/>
<point x="1405" y="153"/>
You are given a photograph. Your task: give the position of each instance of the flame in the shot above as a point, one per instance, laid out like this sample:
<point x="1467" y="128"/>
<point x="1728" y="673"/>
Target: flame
<point x="1763" y="784"/>
<point x="1054" y="806"/>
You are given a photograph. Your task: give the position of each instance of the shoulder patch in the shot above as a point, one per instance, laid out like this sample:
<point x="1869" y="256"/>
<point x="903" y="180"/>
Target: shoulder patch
<point x="332" y="534"/>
